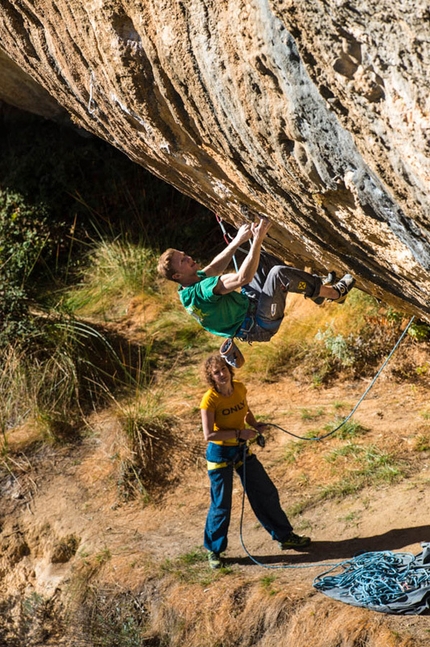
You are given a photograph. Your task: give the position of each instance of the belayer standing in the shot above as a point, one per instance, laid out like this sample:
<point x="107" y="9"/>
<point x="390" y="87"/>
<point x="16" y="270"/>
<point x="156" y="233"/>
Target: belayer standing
<point x="225" y="414"/>
<point x="256" y="312"/>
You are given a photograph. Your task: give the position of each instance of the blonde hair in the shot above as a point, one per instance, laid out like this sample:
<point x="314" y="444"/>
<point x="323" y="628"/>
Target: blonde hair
<point x="212" y="362"/>
<point x="164" y="267"/>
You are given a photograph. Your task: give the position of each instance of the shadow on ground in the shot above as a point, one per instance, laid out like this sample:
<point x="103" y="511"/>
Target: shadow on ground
<point x="321" y="551"/>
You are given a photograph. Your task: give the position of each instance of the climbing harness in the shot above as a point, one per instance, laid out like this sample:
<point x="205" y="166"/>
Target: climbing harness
<point x="372" y="383"/>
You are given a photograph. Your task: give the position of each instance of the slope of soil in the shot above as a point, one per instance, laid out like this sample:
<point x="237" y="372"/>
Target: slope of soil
<point x="75" y="551"/>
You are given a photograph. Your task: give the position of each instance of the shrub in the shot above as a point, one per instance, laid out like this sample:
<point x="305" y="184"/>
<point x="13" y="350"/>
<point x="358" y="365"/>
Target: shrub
<point x="114" y="272"/>
<point x="23" y="233"/>
<point x="337" y="345"/>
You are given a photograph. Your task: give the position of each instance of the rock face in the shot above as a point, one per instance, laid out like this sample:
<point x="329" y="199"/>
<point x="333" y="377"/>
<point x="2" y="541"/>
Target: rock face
<point x="315" y="114"/>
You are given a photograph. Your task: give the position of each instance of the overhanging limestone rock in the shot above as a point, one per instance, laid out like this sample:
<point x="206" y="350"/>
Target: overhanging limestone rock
<point x="314" y="114"/>
<point x="18" y="89"/>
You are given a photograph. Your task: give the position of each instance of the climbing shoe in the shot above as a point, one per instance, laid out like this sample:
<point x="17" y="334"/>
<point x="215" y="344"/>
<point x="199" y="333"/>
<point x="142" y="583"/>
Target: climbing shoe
<point x="329" y="279"/>
<point x="294" y="541"/>
<point x="231" y="353"/>
<point x="343" y="286"/>
<point x="214" y="560"/>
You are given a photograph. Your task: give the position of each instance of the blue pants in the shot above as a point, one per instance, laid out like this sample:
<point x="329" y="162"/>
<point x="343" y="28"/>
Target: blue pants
<point x="261" y="492"/>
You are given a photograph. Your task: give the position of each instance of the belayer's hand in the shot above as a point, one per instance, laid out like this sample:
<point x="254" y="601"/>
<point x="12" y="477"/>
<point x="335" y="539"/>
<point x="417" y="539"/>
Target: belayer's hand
<point x="261" y="441"/>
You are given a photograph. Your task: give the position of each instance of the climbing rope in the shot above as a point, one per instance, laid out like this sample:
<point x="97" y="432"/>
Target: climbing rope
<point x="377" y="579"/>
<point x="384" y="364"/>
<point x="252" y="558"/>
<point x="318" y="438"/>
<point x="91" y="104"/>
<point x="383" y="580"/>
<point x="272" y="424"/>
<point x="228" y="238"/>
<point x="373" y="578"/>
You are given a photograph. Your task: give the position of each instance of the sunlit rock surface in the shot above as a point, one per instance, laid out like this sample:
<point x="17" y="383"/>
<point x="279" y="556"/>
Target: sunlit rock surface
<point x="316" y="114"/>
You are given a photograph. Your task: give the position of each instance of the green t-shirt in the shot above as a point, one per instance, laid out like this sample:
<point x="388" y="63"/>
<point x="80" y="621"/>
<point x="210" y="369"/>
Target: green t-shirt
<point x="219" y="314"/>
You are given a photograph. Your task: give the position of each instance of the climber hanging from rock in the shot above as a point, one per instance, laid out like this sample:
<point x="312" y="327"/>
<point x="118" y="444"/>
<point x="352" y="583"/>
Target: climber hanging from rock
<point x="256" y="311"/>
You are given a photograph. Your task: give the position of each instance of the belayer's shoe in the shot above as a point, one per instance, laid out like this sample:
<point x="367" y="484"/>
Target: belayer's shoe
<point x="294" y="541"/>
<point x="214" y="560"/>
<point x="329" y="279"/>
<point x="343" y="287"/>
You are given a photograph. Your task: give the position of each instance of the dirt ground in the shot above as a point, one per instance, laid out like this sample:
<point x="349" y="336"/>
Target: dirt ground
<point x="66" y="494"/>
<point x="56" y="493"/>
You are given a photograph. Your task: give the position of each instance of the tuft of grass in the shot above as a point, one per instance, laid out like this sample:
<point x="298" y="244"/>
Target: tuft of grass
<point x="307" y="414"/>
<point x="349" y="450"/>
<point x="267" y="584"/>
<point x="293" y="451"/>
<point x="338" y="405"/>
<point x="153" y="454"/>
<point x="195" y="556"/>
<point x="103" y="556"/>
<point x="148" y="434"/>
<point x="348" y="429"/>
<point x="193" y="568"/>
<point x="110" y="618"/>
<point x="422" y="443"/>
<point x="41" y="387"/>
<point x="114" y="272"/>
<point x="298" y="508"/>
<point x="340" y="489"/>
<point x="63" y="371"/>
<point x="351" y="517"/>
<point x="130" y="482"/>
<point x="371" y="467"/>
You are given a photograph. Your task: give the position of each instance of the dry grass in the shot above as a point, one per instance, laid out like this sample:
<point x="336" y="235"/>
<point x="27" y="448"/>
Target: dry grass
<point x="229" y="614"/>
<point x="145" y="495"/>
<point x="155" y="453"/>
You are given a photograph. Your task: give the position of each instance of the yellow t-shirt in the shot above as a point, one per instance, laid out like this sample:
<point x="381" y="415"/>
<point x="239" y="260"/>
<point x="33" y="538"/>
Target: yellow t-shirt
<point x="229" y="411"/>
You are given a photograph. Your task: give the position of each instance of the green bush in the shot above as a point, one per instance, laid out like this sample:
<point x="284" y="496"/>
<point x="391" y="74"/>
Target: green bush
<point x="337" y="346"/>
<point x="23" y="235"/>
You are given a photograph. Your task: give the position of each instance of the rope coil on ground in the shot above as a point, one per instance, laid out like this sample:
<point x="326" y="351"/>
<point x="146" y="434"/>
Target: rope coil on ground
<point x="384" y="581"/>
